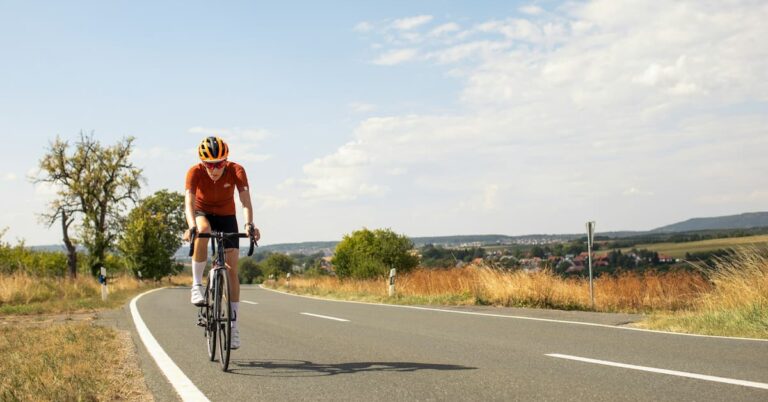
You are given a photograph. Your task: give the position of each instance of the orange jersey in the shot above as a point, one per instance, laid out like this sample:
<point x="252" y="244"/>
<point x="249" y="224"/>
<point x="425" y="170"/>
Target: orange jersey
<point x="217" y="197"/>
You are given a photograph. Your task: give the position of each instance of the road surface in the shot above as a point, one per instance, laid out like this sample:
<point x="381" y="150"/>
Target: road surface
<point x="299" y="348"/>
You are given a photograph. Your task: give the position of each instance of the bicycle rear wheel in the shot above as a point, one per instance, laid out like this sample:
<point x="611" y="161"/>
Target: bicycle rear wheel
<point x="224" y="324"/>
<point x="210" y="322"/>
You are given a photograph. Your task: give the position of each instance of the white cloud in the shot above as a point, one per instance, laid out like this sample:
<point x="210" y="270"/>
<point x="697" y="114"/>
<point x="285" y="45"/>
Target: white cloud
<point x="8" y="177"/>
<point x="339" y="176"/>
<point x="362" y="107"/>
<point x="605" y="106"/>
<point x="532" y="10"/>
<point x="363" y="26"/>
<point x="445" y="29"/>
<point x="409" y="23"/>
<point x="464" y="51"/>
<point x="396" y="56"/>
<point x="269" y="202"/>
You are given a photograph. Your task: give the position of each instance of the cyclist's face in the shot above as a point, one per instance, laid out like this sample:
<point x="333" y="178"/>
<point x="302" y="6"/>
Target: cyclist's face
<point x="215" y="173"/>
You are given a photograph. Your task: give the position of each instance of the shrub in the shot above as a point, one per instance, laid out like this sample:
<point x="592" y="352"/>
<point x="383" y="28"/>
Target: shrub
<point x="248" y="270"/>
<point x="277" y="264"/>
<point x="368" y="254"/>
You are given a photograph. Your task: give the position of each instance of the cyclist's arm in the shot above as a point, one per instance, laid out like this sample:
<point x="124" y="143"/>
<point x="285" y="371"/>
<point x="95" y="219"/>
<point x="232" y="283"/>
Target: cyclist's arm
<point x="245" y="199"/>
<point x="189" y="208"/>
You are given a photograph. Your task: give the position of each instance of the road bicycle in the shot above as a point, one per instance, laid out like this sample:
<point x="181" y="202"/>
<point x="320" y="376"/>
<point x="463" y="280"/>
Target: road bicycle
<point x="215" y="315"/>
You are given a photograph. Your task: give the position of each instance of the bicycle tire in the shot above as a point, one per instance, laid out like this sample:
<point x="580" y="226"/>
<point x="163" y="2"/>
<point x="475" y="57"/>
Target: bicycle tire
<point x="224" y="318"/>
<point x="210" y="327"/>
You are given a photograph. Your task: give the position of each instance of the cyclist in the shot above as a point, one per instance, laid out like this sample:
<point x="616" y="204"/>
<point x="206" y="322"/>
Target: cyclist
<point x="209" y="204"/>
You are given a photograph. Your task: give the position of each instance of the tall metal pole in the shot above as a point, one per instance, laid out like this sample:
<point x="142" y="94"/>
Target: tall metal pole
<point x="590" y="236"/>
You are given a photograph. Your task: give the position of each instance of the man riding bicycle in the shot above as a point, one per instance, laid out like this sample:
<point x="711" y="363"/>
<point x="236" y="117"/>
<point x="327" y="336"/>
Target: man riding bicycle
<point x="209" y="204"/>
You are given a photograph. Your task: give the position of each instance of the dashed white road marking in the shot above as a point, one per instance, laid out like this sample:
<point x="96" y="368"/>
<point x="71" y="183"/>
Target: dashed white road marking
<point x="180" y="382"/>
<point x="326" y="317"/>
<point x="517" y="317"/>
<point x="664" y="371"/>
<point x="248" y="302"/>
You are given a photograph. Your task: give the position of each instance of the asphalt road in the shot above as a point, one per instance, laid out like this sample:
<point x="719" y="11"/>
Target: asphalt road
<point x="295" y="348"/>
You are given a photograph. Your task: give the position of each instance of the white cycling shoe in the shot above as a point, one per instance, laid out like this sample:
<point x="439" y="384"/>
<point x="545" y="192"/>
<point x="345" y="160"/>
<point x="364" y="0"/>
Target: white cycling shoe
<point x="234" y="341"/>
<point x="197" y="295"/>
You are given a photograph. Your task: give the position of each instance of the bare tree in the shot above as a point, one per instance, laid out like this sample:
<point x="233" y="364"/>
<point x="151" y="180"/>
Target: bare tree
<point x="93" y="183"/>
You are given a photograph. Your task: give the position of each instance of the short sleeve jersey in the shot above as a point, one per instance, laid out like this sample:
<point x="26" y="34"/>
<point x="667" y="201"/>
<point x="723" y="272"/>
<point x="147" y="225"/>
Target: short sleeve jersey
<point x="217" y="198"/>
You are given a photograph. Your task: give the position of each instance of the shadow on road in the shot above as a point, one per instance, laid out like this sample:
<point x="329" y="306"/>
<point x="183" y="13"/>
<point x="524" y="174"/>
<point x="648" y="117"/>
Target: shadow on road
<point x="302" y="368"/>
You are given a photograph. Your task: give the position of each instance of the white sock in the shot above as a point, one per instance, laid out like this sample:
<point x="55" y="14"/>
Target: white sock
<point x="235" y="306"/>
<point x="197" y="272"/>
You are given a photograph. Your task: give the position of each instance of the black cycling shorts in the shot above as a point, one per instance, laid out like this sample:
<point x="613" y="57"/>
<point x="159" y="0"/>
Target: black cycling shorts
<point x="223" y="223"/>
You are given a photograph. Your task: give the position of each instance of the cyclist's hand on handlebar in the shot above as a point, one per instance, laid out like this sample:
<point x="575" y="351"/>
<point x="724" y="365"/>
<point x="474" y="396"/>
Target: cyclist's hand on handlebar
<point x="252" y="231"/>
<point x="189" y="232"/>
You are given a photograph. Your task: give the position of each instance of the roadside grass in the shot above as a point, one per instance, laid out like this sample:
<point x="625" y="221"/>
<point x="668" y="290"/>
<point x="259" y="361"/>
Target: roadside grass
<point x="46" y="355"/>
<point x="22" y="293"/>
<point x="627" y="292"/>
<point x="731" y="301"/>
<point x="68" y="362"/>
<point x="678" y="250"/>
<point x="737" y="304"/>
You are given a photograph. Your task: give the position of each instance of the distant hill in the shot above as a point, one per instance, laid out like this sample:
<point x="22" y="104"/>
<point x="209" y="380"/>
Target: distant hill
<point x="741" y="221"/>
<point x="712" y="225"/>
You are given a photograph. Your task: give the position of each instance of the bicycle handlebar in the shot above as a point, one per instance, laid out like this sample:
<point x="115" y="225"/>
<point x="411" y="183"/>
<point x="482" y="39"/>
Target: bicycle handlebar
<point x="219" y="235"/>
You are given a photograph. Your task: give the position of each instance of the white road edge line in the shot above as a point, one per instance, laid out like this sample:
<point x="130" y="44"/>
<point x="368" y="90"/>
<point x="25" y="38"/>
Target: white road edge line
<point x="180" y="382"/>
<point x="326" y="317"/>
<point x="591" y="324"/>
<point x="664" y="371"/>
<point x="248" y="302"/>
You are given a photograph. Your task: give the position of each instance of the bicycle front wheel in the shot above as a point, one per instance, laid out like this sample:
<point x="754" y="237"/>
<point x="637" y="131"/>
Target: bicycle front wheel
<point x="210" y="322"/>
<point x="224" y="316"/>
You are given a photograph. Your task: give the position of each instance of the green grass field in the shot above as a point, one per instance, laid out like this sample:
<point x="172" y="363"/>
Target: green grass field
<point x="678" y="250"/>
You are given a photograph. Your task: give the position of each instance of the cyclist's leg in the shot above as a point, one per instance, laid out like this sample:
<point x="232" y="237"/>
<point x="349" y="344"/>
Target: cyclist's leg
<point x="200" y="257"/>
<point x="228" y="224"/>
<point x="232" y="256"/>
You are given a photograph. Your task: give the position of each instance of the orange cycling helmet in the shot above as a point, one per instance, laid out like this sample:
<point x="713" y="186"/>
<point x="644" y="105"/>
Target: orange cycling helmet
<point x="213" y="149"/>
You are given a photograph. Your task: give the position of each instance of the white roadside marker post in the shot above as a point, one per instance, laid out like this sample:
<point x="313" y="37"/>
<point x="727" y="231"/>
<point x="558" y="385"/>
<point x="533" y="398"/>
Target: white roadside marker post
<point x="103" y="281"/>
<point x="392" y="273"/>
<point x="590" y="238"/>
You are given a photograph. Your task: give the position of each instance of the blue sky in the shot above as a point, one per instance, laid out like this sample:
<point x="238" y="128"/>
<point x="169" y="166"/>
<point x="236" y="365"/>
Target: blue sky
<point x="428" y="117"/>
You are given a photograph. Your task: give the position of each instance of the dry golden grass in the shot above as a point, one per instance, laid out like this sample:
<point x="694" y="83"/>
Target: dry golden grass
<point x="21" y="293"/>
<point x="68" y="362"/>
<point x="731" y="301"/>
<point x="737" y="305"/>
<point x="739" y="282"/>
<point x="627" y="292"/>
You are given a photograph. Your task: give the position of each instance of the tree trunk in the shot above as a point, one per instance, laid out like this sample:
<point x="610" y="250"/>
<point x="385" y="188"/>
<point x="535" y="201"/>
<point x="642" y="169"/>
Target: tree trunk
<point x="71" y="250"/>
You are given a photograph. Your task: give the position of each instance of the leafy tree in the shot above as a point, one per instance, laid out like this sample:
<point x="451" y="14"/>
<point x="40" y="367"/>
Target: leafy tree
<point x="537" y="251"/>
<point x="152" y="234"/>
<point x="248" y="270"/>
<point x="563" y="266"/>
<point x="277" y="264"/>
<point x="95" y="183"/>
<point x="367" y="254"/>
<point x="577" y="247"/>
